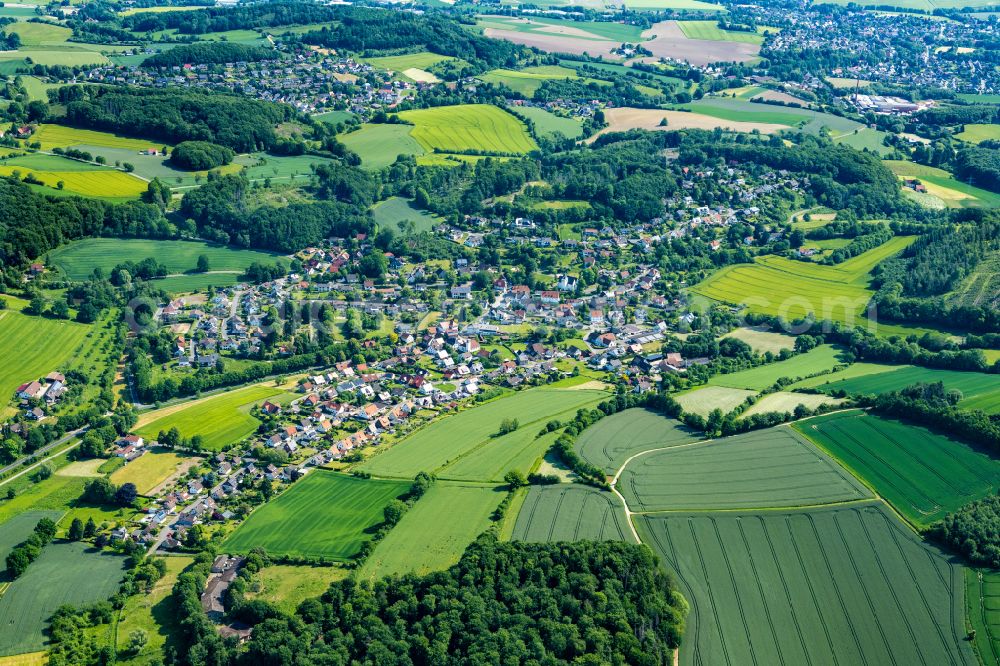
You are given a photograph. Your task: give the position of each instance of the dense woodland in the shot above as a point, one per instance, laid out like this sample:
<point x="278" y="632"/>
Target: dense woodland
<point x="581" y="603"/>
<point x="172" y="116"/>
<point x="209" y="53"/>
<point x="973" y="531"/>
<point x="34" y="224"/>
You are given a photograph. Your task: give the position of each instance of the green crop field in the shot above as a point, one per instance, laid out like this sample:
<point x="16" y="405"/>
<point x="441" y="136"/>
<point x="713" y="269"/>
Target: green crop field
<point x="982" y="600"/>
<point x="526" y="81"/>
<point x="923" y="474"/>
<point x="64" y="573"/>
<point x="434" y="533"/>
<point x="421" y="60"/>
<point x="850" y="372"/>
<point x="70" y="56"/>
<point x="571" y="512"/>
<point x="686" y="5"/>
<point x="705" y="399"/>
<point x="583" y="30"/>
<point x="380" y="145"/>
<point x="764" y="468"/>
<point x="465" y="127"/>
<point x="612" y="440"/>
<point x="822" y="358"/>
<point x="42" y="162"/>
<point x="333" y="117"/>
<point x="444" y="441"/>
<point x="812" y="122"/>
<point x="19" y="528"/>
<point x="942" y="185"/>
<point x="778" y="286"/>
<point x="844" y="585"/>
<point x="979" y="390"/>
<point x="519" y="450"/>
<point x="866" y="138"/>
<point x="103" y="183"/>
<point x="77" y="260"/>
<point x="710" y="30"/>
<point x="150" y="469"/>
<point x="548" y="124"/>
<point x="39" y="34"/>
<point x="763" y="341"/>
<point x="59" y="136"/>
<point x="399" y="215"/>
<point x="727" y="108"/>
<point x="220" y="419"/>
<point x="32" y="347"/>
<point x="784" y="402"/>
<point x="323" y="515"/>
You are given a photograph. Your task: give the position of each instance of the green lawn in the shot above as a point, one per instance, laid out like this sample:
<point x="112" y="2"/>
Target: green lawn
<point x="32" y="347"/>
<point x="434" y="533"/>
<point x="571" y="512"/>
<point x="19" y="528"/>
<point x="380" y="145"/>
<point x="979" y="390"/>
<point x="288" y="585"/>
<point x="465" y="127"/>
<point x="528" y="80"/>
<point x="64" y="573"/>
<point x="220" y="419"/>
<point x="866" y="138"/>
<point x="705" y="399"/>
<point x="39" y="34"/>
<point x="922" y="473"/>
<point x="779" y="286"/>
<point x="711" y="31"/>
<point x="150" y="469"/>
<point x="444" y="441"/>
<point x="398" y="214"/>
<point x="77" y="260"/>
<point x="421" y="60"/>
<point x="843" y="585"/>
<point x="612" y="440"/>
<point x="548" y="124"/>
<point x="763" y="341"/>
<point x="765" y="468"/>
<point x="323" y="515"/>
<point x="824" y="357"/>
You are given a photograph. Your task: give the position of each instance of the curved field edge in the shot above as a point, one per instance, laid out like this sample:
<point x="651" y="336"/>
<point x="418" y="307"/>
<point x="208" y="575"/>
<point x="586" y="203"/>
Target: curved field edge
<point x="921" y="473"/>
<point x="764" y="469"/>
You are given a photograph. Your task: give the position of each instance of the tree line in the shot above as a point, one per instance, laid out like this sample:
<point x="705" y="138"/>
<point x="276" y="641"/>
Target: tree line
<point x="172" y="116"/>
<point x="525" y="603"/>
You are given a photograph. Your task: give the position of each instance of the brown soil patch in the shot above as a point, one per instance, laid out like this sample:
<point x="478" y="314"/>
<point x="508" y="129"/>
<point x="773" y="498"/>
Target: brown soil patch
<point x="556" y="43"/>
<point x="778" y="96"/>
<point x="626" y="118"/>
<point x="667" y="40"/>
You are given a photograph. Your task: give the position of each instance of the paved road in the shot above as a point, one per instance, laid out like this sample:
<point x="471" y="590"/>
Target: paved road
<point x="42" y="451"/>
